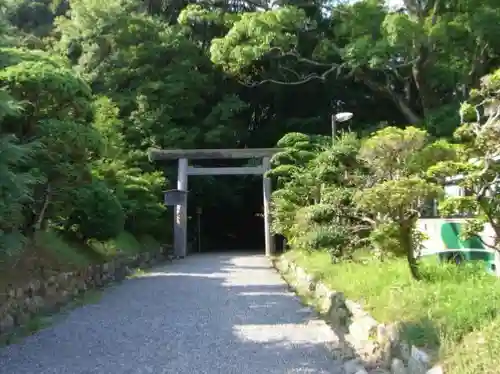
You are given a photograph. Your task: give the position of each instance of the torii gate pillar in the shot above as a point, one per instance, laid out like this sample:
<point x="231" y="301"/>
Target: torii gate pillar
<point x="184" y="170"/>
<point x="180" y="222"/>
<point x="266" y="193"/>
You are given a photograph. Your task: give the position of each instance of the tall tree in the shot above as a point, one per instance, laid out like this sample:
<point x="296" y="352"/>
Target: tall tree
<point x="414" y="56"/>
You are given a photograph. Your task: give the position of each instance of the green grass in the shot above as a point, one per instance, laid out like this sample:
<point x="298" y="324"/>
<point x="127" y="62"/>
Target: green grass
<point x="65" y="252"/>
<point x="50" y="251"/>
<point x="79" y="255"/>
<point x="88" y="297"/>
<point x="437" y="313"/>
<point x="149" y="243"/>
<point x="125" y="243"/>
<point x="477" y="353"/>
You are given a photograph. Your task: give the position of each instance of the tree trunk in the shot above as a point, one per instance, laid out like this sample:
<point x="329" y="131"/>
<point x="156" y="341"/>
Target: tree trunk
<point x="402" y="104"/>
<point x="405" y="236"/>
<point x="479" y="66"/>
<point x="485" y="207"/>
<point x="426" y="95"/>
<point x="405" y="109"/>
<point x="41" y="220"/>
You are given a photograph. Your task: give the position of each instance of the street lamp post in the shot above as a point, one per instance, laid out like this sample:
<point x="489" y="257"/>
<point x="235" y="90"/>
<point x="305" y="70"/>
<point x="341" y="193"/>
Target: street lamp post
<point x="339" y="117"/>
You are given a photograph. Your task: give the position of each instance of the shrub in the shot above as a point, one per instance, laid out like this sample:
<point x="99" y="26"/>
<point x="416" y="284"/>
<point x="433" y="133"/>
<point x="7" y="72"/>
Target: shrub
<point x="97" y="214"/>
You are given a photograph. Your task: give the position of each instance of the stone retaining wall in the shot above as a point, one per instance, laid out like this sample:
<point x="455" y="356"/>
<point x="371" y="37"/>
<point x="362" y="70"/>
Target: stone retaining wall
<point x="20" y="304"/>
<point x="370" y="347"/>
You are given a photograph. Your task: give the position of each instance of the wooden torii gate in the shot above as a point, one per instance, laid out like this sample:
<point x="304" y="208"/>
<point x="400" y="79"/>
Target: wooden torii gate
<point x="179" y="197"/>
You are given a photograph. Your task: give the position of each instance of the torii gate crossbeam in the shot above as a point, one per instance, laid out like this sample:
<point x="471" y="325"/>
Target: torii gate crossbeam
<point x="184" y="171"/>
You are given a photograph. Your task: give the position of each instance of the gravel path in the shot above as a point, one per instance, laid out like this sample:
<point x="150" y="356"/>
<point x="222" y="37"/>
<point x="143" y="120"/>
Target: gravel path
<point x="204" y="314"/>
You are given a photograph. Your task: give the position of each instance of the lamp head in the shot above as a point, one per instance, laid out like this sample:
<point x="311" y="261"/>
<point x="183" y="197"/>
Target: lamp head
<point x="342" y="117"/>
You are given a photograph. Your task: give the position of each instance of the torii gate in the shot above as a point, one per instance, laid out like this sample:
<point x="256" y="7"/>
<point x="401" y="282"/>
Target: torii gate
<point x="179" y="197"/>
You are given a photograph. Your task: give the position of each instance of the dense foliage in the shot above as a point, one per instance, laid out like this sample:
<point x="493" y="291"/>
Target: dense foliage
<point x="358" y="192"/>
<point x="88" y="86"/>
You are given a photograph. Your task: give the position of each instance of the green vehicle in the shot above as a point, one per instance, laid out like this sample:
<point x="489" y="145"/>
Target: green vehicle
<point x="444" y="234"/>
<point x="445" y="242"/>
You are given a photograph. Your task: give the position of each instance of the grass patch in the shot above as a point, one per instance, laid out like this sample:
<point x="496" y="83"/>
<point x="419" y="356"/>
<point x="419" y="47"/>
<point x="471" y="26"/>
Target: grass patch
<point x="125" y="244"/>
<point x="60" y="249"/>
<point x="477" y="353"/>
<point x="438" y="313"/>
<point x="148" y="243"/>
<point x="88" y="297"/>
<point x="38" y="323"/>
<point x="50" y="253"/>
<point x="47" y="253"/>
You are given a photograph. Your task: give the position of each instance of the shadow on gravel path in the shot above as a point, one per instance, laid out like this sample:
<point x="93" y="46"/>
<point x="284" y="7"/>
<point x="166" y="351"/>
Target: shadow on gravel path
<point x="211" y="313"/>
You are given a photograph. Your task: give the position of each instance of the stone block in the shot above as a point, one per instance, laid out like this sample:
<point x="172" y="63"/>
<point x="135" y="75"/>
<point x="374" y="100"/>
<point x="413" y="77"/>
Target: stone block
<point x="338" y="317"/>
<point x="6" y="323"/>
<point x="34" y="304"/>
<point x="63" y="297"/>
<point x="394" y="332"/>
<point x="363" y="328"/>
<point x="338" y="300"/>
<point x="105" y="267"/>
<point x="19" y="292"/>
<point x="355" y="309"/>
<point x="384" y="353"/>
<point x="72" y="283"/>
<point x="416" y="367"/>
<point x="420" y="355"/>
<point x="369" y="351"/>
<point x="398" y="367"/>
<point x="321" y="291"/>
<point x="438" y="369"/>
<point x="81" y="285"/>
<point x="62" y="280"/>
<point x="32" y="288"/>
<point x="302" y="278"/>
<point x="284" y="264"/>
<point x="280" y="266"/>
<point x="11" y="293"/>
<point x="51" y="291"/>
<point x="51" y="280"/>
<point x="4" y="308"/>
<point x="379" y="371"/>
<point x="324" y="304"/>
<point x="419" y="361"/>
<point x="403" y="350"/>
<point x="98" y="279"/>
<point x="353" y="366"/>
<point x="21" y="318"/>
<point x="382" y="333"/>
